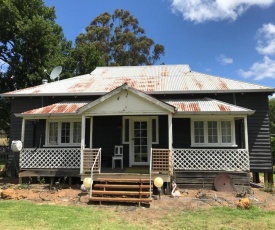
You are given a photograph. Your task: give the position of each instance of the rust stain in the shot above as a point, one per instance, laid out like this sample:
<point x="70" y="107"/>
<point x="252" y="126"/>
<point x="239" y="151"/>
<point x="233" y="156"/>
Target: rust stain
<point x="82" y="86"/>
<point x="57" y="108"/>
<point x="194" y="106"/>
<point x="164" y="71"/>
<point x="224" y="108"/>
<point x="222" y="85"/>
<point x="182" y="107"/>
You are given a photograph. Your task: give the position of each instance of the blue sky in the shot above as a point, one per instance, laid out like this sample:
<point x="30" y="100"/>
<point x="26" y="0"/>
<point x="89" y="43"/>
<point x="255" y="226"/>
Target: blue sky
<point x="233" y="39"/>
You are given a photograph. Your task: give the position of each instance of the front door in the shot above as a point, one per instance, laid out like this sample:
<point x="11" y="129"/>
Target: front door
<point x="140" y="144"/>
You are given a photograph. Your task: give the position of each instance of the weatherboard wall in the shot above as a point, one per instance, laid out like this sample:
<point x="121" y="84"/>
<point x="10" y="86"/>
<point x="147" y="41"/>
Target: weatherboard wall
<point x="258" y="125"/>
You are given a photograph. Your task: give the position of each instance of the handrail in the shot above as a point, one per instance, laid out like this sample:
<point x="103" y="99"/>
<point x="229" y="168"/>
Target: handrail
<point x="98" y="155"/>
<point x="150" y="172"/>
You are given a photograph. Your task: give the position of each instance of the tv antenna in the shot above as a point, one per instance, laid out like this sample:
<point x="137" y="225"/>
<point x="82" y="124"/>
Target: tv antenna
<point x="55" y="72"/>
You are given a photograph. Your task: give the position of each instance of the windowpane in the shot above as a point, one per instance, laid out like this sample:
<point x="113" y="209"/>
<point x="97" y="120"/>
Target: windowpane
<point x="198" y="132"/>
<point x="226" y="131"/>
<point x="53" y="133"/>
<point x="212" y="131"/>
<point x="77" y="132"/>
<point x="65" y="132"/>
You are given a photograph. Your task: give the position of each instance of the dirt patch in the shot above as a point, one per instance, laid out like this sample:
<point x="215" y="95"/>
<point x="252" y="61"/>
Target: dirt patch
<point x="189" y="199"/>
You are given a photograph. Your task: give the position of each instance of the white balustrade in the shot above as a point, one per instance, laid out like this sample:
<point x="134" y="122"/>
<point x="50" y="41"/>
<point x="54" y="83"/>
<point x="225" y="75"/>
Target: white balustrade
<point x="54" y="158"/>
<point x="211" y="159"/>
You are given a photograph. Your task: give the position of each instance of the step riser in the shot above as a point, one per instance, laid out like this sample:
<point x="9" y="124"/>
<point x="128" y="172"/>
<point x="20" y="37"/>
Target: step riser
<point x="122" y="190"/>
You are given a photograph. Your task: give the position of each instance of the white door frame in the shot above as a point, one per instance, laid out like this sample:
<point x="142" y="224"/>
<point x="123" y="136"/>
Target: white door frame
<point x="131" y="142"/>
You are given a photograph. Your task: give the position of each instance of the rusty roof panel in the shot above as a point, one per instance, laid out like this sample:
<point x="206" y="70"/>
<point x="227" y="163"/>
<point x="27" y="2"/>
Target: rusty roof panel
<point x="204" y="105"/>
<point x="58" y="108"/>
<point x="151" y="79"/>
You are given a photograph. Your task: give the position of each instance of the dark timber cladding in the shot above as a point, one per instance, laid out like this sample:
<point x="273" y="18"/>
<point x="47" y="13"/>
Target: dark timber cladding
<point x="258" y="131"/>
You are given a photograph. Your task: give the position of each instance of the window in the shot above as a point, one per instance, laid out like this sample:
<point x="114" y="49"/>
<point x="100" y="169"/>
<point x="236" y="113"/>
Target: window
<point x="63" y="133"/>
<point x="53" y="133"/>
<point x="213" y="133"/>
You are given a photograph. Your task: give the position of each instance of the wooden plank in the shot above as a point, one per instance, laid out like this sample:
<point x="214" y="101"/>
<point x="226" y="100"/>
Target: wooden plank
<point x="49" y="173"/>
<point x="123" y="180"/>
<point x="119" y="199"/>
<point x="121" y="186"/>
<point x="120" y="193"/>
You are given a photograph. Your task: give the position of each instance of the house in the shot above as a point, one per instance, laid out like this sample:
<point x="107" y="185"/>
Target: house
<point x="167" y="115"/>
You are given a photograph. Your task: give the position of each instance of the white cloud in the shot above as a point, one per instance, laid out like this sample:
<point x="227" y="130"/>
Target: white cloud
<point x="260" y="70"/>
<point x="224" y="60"/>
<point x="266" y="39"/>
<point x="215" y="10"/>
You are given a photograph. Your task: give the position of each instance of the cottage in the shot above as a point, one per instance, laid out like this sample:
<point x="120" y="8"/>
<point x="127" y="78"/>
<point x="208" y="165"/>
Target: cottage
<point x="179" y="123"/>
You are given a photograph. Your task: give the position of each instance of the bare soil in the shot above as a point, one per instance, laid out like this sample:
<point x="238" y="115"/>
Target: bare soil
<point x="190" y="199"/>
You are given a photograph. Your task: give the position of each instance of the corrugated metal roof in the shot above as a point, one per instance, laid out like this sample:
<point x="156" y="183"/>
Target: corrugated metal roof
<point x="205" y="105"/>
<point x="149" y="79"/>
<point x="58" y="108"/>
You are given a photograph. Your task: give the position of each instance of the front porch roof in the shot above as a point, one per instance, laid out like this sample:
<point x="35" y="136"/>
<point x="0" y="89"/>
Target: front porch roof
<point x="204" y="106"/>
<point x="57" y="109"/>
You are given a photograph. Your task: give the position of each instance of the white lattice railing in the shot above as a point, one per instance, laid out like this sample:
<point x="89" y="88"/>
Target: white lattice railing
<point x="211" y="159"/>
<point x="54" y="158"/>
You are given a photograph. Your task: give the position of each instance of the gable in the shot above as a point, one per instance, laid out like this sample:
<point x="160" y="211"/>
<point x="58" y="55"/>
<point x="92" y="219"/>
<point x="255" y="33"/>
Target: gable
<point x="126" y="101"/>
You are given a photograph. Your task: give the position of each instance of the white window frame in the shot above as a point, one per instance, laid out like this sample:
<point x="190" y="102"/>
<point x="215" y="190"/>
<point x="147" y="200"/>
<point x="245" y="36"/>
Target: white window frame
<point x="59" y="122"/>
<point x="205" y="127"/>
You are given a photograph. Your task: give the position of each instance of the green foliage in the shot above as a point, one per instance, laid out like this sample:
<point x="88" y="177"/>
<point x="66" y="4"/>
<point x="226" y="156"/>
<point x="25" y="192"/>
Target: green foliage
<point x="120" y="40"/>
<point x="272" y="115"/>
<point x="30" y="41"/>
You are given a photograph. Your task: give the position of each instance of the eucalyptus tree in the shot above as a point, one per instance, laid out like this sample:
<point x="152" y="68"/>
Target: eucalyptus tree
<point x="30" y="41"/>
<point x="120" y="40"/>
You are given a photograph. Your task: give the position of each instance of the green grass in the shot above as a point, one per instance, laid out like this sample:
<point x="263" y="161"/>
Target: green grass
<point x="224" y="218"/>
<point x="26" y="215"/>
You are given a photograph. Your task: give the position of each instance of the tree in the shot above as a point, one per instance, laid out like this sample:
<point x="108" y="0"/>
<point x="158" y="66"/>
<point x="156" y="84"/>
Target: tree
<point x="120" y="40"/>
<point x="30" y="41"/>
<point x="272" y="115"/>
<point x="82" y="60"/>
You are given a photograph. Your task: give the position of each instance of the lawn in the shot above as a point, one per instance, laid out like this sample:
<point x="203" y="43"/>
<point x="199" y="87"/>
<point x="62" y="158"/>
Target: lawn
<point x="26" y="215"/>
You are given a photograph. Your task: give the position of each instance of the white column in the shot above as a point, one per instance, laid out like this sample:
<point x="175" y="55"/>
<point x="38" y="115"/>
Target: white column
<point x="246" y="133"/>
<point x="170" y="131"/>
<point x="23" y="131"/>
<point x="82" y="142"/>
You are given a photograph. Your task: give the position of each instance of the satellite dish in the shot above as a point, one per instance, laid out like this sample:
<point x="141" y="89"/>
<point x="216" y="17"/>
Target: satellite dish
<point x="55" y="72"/>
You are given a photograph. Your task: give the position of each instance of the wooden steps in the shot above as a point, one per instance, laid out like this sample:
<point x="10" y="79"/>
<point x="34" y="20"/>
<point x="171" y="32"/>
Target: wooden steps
<point x="126" y="190"/>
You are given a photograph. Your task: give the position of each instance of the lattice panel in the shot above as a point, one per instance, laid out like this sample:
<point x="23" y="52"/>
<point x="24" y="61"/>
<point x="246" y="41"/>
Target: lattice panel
<point x="89" y="156"/>
<point x="53" y="158"/>
<point x="211" y="159"/>
<point x="161" y="160"/>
